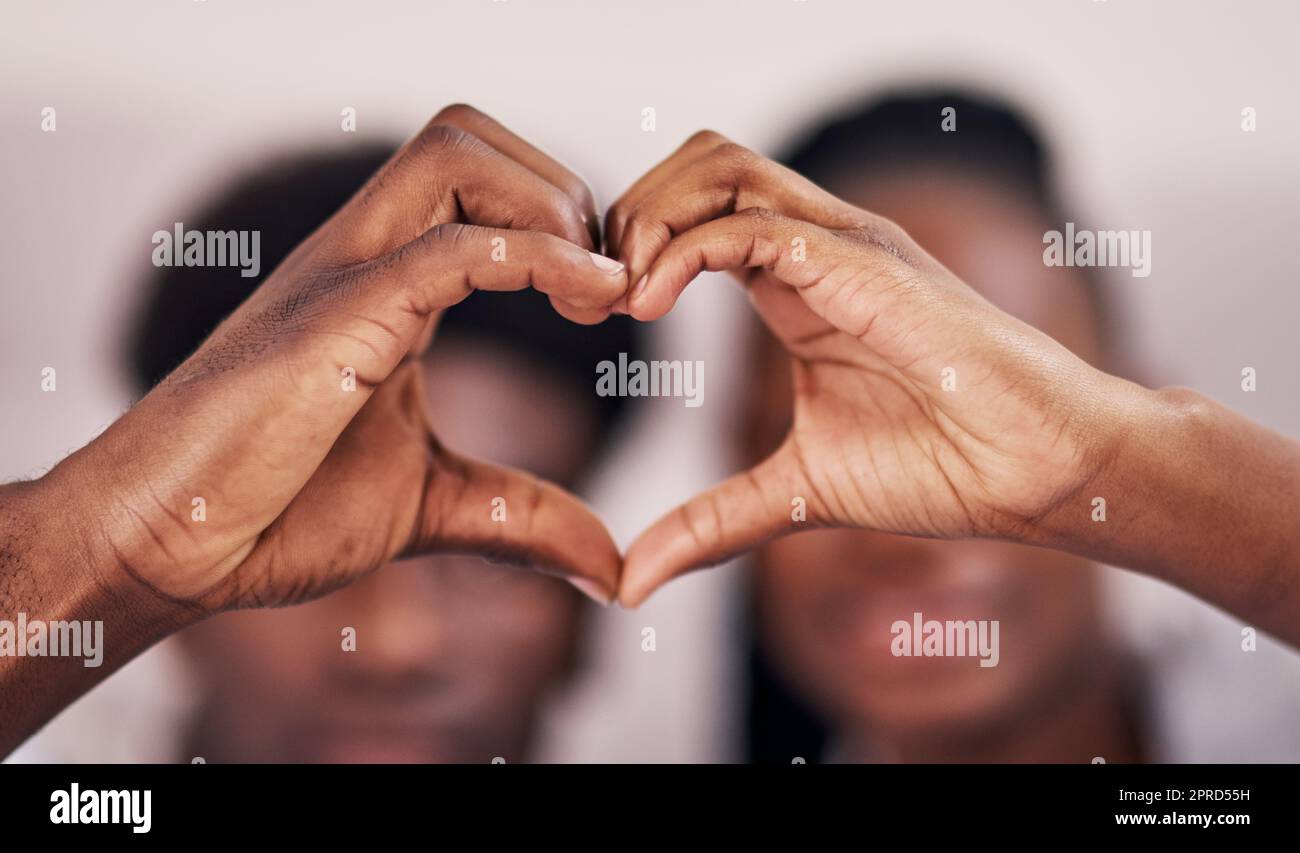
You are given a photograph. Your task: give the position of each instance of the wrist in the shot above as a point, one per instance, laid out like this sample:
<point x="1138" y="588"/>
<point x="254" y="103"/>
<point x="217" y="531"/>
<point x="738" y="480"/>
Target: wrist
<point x="70" y="548"/>
<point x="1142" y="484"/>
<point x="1122" y="426"/>
<point x="69" y="619"/>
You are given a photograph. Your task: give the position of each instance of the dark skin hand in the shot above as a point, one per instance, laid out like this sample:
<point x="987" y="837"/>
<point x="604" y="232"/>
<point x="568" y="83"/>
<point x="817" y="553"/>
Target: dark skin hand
<point x="306" y="485"/>
<point x="1016" y="445"/>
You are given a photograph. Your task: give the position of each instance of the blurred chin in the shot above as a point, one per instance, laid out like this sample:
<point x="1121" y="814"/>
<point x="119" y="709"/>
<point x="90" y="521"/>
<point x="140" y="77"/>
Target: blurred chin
<point x="334" y="745"/>
<point x="381" y="750"/>
<point x="952" y="696"/>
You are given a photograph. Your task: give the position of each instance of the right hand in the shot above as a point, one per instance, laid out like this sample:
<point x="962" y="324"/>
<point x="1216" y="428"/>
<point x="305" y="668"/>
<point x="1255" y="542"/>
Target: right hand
<point x="873" y="324"/>
<point x="306" y="485"/>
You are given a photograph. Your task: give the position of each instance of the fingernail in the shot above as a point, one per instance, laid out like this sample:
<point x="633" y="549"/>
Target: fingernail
<point x="638" y="290"/>
<point x="592" y="590"/>
<point x="607" y="265"/>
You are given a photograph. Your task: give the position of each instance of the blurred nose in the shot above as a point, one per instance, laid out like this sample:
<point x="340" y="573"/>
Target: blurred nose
<point x="911" y="562"/>
<point x="401" y="643"/>
<point x="905" y="559"/>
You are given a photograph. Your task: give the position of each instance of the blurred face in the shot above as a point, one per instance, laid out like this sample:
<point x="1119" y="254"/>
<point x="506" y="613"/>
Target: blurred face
<point x="453" y="654"/>
<point x="827" y="600"/>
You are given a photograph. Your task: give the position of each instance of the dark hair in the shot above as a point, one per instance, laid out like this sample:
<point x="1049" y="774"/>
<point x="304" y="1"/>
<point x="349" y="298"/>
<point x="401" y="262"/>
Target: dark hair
<point x="286" y="201"/>
<point x="903" y="131"/>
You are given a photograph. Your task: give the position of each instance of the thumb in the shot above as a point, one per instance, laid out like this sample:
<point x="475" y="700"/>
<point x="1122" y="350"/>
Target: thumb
<point x="734" y="516"/>
<point x="509" y="516"/>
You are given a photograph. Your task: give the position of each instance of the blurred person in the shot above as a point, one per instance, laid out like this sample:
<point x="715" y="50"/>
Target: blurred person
<point x="885" y="408"/>
<point x="294" y="453"/>
<point x="455" y="656"/>
<point x="979" y="200"/>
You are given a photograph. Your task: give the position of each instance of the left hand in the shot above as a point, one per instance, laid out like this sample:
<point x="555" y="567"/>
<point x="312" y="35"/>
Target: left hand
<point x="305" y="482"/>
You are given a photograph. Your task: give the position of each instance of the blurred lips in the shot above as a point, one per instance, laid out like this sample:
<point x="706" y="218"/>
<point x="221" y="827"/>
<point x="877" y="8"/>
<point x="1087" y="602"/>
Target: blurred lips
<point x="386" y="727"/>
<point x="860" y="623"/>
<point x="378" y="738"/>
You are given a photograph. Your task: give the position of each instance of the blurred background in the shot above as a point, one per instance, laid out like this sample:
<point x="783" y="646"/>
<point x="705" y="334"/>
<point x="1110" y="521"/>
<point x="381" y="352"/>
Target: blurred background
<point x="161" y="102"/>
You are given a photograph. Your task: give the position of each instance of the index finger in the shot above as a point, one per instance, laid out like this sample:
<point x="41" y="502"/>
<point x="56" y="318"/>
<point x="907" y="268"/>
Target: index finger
<point x="445" y="174"/>
<point x="497" y="135"/>
<point x="699" y="144"/>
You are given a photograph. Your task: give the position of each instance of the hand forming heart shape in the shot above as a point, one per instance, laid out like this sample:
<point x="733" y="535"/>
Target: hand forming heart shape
<point x="873" y="325"/>
<point x="297" y="430"/>
<point x="307" y="487"/>
<point x="308" y="484"/>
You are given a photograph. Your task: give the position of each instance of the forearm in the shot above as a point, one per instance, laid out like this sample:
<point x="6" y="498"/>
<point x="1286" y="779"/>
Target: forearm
<point x="53" y="574"/>
<point x="1198" y="496"/>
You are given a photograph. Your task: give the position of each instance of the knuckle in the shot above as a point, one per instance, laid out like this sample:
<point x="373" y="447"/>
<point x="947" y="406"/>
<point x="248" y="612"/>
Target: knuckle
<point x="438" y="140"/>
<point x="458" y="114"/>
<point x="636" y="225"/>
<point x="886" y="228"/>
<point x="736" y="156"/>
<point x="615" y="227"/>
<point x="616" y="217"/>
<point x="576" y="188"/>
<point x="567" y="217"/>
<point x="451" y="234"/>
<point x="706" y="137"/>
<point x="703" y="520"/>
<point x="881" y="233"/>
<point x="737" y="166"/>
<point x="761" y="218"/>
